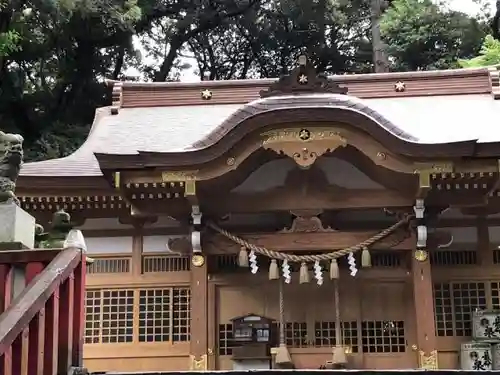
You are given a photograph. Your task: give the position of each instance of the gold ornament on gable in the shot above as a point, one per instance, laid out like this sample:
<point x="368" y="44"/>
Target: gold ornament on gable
<point x="179" y="176"/>
<point x="304" y="145"/>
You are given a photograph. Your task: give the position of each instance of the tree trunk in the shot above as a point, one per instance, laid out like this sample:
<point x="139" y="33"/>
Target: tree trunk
<point x="380" y="61"/>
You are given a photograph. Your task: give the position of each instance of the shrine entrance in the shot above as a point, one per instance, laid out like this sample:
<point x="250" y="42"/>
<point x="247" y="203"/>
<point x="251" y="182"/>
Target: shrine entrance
<point x="376" y="315"/>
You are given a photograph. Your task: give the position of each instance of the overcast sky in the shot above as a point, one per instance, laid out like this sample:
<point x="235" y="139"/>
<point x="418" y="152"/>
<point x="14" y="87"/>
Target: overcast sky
<point x="468" y="6"/>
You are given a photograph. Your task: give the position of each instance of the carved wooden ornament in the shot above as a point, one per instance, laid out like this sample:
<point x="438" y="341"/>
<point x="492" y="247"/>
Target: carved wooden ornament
<point x="303" y="80"/>
<point x="306" y="221"/>
<point x="304" y="146"/>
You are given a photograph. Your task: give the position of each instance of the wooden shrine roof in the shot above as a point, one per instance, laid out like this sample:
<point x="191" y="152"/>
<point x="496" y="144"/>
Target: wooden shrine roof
<point x="416" y="108"/>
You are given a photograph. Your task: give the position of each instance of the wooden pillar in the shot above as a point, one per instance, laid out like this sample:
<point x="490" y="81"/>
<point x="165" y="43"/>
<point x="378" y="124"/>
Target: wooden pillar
<point x="213" y="333"/>
<point x="426" y="343"/>
<point x="137" y="223"/>
<point x="483" y="241"/>
<point x="137" y="247"/>
<point x="199" y="315"/>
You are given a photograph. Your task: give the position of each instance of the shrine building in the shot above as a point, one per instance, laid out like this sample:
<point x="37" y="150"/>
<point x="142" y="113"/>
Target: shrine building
<point x="308" y="222"/>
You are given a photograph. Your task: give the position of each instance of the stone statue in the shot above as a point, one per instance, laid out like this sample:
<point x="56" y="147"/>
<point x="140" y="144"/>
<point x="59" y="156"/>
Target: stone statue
<point x="60" y="226"/>
<point x="40" y="235"/>
<point x="11" y="161"/>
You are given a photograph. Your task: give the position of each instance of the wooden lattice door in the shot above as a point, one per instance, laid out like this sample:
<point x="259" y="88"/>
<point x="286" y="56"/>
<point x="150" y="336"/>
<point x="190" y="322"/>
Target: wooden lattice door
<point x="387" y="325"/>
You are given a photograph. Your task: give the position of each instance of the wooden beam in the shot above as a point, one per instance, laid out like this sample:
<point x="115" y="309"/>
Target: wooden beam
<point x="304" y="242"/>
<point x="28" y="256"/>
<point x="284" y="199"/>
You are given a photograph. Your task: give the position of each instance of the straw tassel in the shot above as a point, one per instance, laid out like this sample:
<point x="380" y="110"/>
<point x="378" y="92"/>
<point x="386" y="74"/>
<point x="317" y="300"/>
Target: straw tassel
<point x="339" y="357"/>
<point x="243" y="257"/>
<point x="334" y="269"/>
<point x="274" y="273"/>
<point x="283" y="358"/>
<point x="304" y="273"/>
<point x="366" y="259"/>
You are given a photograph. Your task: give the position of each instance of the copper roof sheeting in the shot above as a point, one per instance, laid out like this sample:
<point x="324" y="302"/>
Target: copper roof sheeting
<point x="438" y="119"/>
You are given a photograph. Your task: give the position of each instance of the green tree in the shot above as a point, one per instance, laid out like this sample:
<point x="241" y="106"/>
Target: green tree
<point x="488" y="55"/>
<point x="266" y="41"/>
<point x="424" y="35"/>
<point x="55" y="59"/>
<point x="53" y="74"/>
<point x="8" y="42"/>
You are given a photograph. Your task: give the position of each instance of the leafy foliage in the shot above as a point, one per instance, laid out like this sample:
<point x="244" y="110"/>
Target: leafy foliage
<point x="424" y="35"/>
<point x="488" y="56"/>
<point x="9" y="42"/>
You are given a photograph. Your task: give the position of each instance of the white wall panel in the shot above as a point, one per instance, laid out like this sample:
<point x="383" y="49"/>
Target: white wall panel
<point x="463" y="235"/>
<point x="108" y="245"/>
<point x="494" y="234"/>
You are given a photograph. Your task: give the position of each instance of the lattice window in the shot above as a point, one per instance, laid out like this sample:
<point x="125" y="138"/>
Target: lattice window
<point x="350" y="332"/>
<point x="443" y="307"/>
<point x="296" y="334"/>
<point x="154" y="315"/>
<point x="92" y="316"/>
<point x="109" y="316"/>
<point x="223" y="263"/>
<point x="226" y="343"/>
<point x="453" y="257"/>
<point x="181" y="310"/>
<point x="228" y="263"/>
<point x="454" y="304"/>
<point x="325" y="334"/>
<point x="117" y="316"/>
<point x="164" y="315"/>
<point x="383" y="336"/>
<point x="109" y="265"/>
<point x="164" y="263"/>
<point x="388" y="258"/>
<point x="495" y="295"/>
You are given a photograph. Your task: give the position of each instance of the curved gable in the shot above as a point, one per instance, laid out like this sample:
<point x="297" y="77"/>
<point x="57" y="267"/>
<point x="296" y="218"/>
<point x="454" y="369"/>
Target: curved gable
<point x="305" y="103"/>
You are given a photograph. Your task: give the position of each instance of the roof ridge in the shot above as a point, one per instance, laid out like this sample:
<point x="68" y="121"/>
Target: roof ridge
<point x="422" y="74"/>
<point x="494" y="72"/>
<point x="365" y="86"/>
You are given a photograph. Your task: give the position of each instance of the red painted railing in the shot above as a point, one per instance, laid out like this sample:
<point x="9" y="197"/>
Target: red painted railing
<point x="42" y="311"/>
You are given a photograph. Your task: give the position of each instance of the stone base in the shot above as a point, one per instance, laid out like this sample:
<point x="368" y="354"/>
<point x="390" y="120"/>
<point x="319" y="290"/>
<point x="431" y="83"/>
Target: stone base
<point x="17" y="228"/>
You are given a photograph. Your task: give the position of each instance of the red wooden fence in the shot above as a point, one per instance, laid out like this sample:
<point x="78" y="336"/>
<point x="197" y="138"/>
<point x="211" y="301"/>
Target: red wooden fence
<point x="41" y="329"/>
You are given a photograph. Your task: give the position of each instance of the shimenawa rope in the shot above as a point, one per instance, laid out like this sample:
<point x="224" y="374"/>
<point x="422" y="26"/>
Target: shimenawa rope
<point x="282" y="314"/>
<point x="312" y="258"/>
